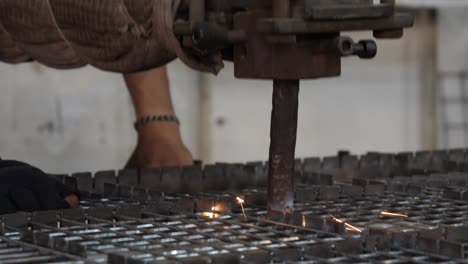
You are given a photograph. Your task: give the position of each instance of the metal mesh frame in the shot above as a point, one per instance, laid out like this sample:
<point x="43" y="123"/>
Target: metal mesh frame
<point x="123" y="219"/>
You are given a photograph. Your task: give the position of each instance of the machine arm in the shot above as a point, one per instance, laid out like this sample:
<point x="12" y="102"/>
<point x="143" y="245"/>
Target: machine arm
<point x="285" y="41"/>
<point x="280" y="40"/>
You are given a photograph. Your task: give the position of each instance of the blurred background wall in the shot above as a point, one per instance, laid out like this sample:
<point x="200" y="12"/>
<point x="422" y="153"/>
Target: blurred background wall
<point x="405" y="99"/>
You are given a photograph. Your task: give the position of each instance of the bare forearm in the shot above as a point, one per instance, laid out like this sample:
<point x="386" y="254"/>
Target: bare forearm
<point x="150" y="92"/>
<point x="159" y="143"/>
<point x="151" y="96"/>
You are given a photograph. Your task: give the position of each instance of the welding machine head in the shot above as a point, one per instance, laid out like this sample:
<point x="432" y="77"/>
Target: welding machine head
<point x="285" y="39"/>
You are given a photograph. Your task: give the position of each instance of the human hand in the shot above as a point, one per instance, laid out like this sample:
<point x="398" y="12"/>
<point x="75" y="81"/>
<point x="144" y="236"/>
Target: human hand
<point x="160" y="145"/>
<point x="26" y="188"/>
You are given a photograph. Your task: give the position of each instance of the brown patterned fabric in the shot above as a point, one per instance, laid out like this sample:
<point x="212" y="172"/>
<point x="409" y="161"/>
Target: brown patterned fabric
<point x="9" y="51"/>
<point x="33" y="29"/>
<point x="113" y="35"/>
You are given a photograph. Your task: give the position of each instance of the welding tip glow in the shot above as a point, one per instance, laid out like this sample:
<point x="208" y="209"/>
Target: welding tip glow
<point x="240" y="200"/>
<point x="393" y="214"/>
<point x="210" y="215"/>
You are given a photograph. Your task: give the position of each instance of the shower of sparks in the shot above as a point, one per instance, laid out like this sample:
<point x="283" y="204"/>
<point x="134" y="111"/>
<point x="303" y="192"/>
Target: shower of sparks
<point x="241" y="202"/>
<point x="393" y="214"/>
<point x="348" y="226"/>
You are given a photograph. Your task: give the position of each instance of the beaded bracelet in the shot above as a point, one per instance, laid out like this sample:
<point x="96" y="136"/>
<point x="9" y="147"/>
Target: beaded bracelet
<point x="158" y="118"/>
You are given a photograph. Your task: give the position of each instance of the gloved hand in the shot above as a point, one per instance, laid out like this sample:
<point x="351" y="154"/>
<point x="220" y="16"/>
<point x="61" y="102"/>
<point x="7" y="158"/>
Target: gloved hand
<point x="26" y="188"/>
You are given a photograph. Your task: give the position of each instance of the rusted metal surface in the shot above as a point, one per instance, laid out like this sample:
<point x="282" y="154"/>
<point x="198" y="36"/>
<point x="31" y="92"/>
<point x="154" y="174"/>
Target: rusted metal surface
<point x="281" y="8"/>
<point x="282" y="148"/>
<point x="305" y="58"/>
<point x="343" y="10"/>
<point x="197" y="11"/>
<point x="299" y="26"/>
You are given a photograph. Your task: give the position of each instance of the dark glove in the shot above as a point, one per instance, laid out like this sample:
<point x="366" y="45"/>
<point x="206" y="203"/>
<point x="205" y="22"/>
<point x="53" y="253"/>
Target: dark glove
<point x="26" y="188"/>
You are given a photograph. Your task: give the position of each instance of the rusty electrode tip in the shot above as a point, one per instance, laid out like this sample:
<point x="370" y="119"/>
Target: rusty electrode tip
<point x="281" y="163"/>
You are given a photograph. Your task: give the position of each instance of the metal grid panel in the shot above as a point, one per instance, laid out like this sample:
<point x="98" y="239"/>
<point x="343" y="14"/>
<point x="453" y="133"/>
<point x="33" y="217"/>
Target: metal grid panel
<point x="339" y="215"/>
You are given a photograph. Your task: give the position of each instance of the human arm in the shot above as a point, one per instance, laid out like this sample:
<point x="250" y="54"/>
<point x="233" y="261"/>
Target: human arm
<point x="159" y="144"/>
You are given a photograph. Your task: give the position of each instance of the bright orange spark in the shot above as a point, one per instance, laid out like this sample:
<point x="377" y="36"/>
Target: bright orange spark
<point x="241" y="202"/>
<point x="353" y="228"/>
<point x="338" y="220"/>
<point x="347" y="225"/>
<point x="393" y="214"/>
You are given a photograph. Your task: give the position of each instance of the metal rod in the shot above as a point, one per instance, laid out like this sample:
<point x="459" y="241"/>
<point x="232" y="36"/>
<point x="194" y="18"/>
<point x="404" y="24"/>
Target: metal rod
<point x="282" y="149"/>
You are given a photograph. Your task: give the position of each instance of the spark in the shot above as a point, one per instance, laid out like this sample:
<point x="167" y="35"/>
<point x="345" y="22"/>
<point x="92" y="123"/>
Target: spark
<point x="338" y="220"/>
<point x="348" y="226"/>
<point x="393" y="214"/>
<point x="212" y="214"/>
<point x="304" y="221"/>
<point x="241" y="202"/>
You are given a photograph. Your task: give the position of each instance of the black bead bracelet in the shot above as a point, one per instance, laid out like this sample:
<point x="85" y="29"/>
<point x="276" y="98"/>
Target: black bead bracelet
<point x="157" y="118"/>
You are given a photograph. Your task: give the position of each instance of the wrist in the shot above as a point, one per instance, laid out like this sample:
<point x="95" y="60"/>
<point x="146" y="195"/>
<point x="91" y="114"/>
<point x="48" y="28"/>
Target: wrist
<point x="155" y="132"/>
<point x="142" y="121"/>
